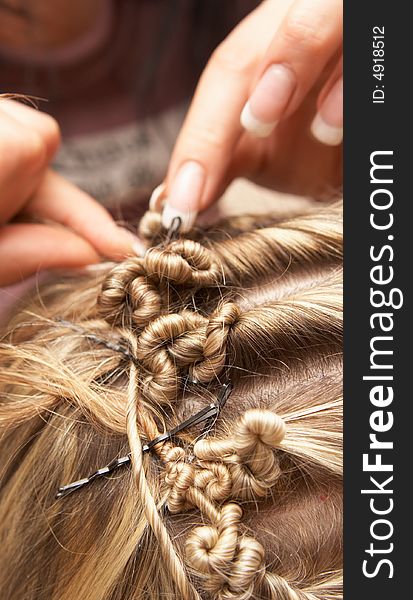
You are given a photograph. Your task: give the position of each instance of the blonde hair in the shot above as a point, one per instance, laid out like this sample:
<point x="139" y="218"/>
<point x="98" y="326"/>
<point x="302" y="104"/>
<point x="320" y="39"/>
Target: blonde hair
<point x="109" y="361"/>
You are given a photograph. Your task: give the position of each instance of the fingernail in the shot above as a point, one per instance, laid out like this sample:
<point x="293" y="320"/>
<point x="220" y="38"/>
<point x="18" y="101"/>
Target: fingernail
<point x="184" y="197"/>
<point x="157" y="198"/>
<point x="96" y="267"/>
<point x="327" y="126"/>
<point x="133" y="245"/>
<point x="325" y="133"/>
<point x="138" y="247"/>
<point x="170" y="213"/>
<point x="268" y="101"/>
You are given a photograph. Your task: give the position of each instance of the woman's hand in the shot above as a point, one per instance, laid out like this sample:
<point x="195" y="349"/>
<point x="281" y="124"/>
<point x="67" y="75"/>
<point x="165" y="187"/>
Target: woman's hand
<point x="256" y="104"/>
<point x="71" y="229"/>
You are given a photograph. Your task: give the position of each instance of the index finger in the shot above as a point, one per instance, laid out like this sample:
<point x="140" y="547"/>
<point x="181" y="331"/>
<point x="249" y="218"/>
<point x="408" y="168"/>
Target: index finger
<point x="205" y="145"/>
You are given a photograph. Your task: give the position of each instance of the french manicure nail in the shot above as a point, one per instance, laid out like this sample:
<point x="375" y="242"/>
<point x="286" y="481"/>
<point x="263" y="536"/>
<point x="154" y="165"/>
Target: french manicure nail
<point x="133" y="243"/>
<point x="170" y="213"/>
<point x="138" y="247"/>
<point x="325" y="133"/>
<point x="96" y="267"/>
<point x="250" y="122"/>
<point x="157" y="198"/>
<point x="327" y="126"/>
<point x="184" y="197"/>
<point x="268" y="101"/>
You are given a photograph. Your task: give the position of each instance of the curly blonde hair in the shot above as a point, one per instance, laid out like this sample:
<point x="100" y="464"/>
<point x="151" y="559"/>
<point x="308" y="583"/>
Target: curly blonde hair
<point x="107" y="361"/>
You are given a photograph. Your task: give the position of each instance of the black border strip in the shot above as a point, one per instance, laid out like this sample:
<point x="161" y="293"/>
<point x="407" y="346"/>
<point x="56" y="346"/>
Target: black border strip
<point x="374" y="127"/>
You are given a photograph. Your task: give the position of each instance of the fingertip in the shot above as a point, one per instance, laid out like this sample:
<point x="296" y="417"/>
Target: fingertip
<point x="327" y="126"/>
<point x="325" y="133"/>
<point x="184" y="197"/>
<point x="157" y="198"/>
<point x="36" y="120"/>
<point x="138" y="248"/>
<point x="269" y="99"/>
<point x="187" y="218"/>
<point x="254" y="125"/>
<point x="80" y="213"/>
<point x="29" y="248"/>
<point x="118" y="243"/>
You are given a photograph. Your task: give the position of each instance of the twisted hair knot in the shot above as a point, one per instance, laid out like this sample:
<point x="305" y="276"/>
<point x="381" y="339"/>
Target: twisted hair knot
<point x="165" y="347"/>
<point x="248" y="452"/>
<point x="132" y="287"/>
<point x="184" y="342"/>
<point x="214" y="480"/>
<point x="232" y="565"/>
<point x="215" y="350"/>
<point x="174" y="344"/>
<point x="184" y="262"/>
<point x="179" y="477"/>
<point x="184" y="480"/>
<point x="258" y="427"/>
<point x="145" y="301"/>
<point x="150" y="225"/>
<point x="210" y="549"/>
<point x="164" y="386"/>
<point x="126" y="289"/>
<point x="247" y="571"/>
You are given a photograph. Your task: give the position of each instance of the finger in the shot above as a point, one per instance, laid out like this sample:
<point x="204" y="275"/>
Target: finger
<point x="26" y="249"/>
<point x="334" y="77"/>
<point x="327" y="126"/>
<point x="309" y="36"/>
<point x="35" y="120"/>
<point x="22" y="163"/>
<point x="60" y="201"/>
<point x="211" y="130"/>
<point x="28" y="140"/>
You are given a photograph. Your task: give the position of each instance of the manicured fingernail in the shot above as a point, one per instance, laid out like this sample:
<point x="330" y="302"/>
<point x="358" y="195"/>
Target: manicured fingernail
<point x="96" y="267"/>
<point x="184" y="197"/>
<point x="327" y="126"/>
<point x="268" y="101"/>
<point x="170" y="213"/>
<point x="157" y="198"/>
<point x="131" y="243"/>
<point x="138" y="247"/>
<point x="325" y="133"/>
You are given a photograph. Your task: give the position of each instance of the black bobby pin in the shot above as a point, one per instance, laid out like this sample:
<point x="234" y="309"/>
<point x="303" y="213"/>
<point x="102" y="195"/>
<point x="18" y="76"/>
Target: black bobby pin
<point x="221" y="400"/>
<point x="121" y="349"/>
<point x="209" y="414"/>
<point x="171" y="234"/>
<point x="173" y="230"/>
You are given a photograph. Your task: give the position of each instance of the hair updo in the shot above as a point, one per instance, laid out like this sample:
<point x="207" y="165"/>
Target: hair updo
<point x="107" y="362"/>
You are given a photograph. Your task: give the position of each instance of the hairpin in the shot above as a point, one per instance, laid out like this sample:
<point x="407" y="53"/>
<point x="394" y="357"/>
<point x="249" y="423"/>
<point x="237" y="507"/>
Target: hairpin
<point x="173" y="230"/>
<point x="116" y="347"/>
<point x="208" y="414"/>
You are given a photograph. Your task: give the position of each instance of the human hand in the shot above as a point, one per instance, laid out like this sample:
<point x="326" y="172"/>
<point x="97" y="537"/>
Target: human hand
<point x="71" y="229"/>
<point x="254" y="106"/>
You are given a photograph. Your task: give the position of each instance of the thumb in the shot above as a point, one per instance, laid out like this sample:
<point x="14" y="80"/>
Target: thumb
<point x="28" y="248"/>
<point x="60" y="201"/>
